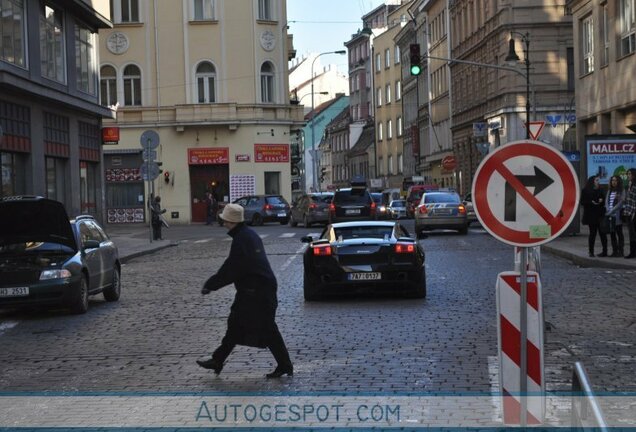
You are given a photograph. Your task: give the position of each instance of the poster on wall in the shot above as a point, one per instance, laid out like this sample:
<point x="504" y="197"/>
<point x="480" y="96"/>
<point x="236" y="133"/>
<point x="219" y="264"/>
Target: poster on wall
<point x="609" y="155"/>
<point x="242" y="185"/>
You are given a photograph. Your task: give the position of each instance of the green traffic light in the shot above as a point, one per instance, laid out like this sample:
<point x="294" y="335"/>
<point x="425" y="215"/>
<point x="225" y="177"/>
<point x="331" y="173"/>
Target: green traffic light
<point x="416" y="70"/>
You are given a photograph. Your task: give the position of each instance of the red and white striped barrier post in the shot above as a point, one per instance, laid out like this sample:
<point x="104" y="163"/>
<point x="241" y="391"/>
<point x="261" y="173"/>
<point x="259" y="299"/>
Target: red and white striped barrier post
<point x="509" y="334"/>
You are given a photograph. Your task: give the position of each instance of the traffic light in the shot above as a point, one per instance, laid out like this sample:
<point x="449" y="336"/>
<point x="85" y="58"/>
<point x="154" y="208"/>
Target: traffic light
<point x="166" y="177"/>
<point x="416" y="60"/>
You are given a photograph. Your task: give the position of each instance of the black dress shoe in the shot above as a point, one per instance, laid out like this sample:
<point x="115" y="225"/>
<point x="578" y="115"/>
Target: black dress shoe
<point x="591" y="255"/>
<point x="603" y="254"/>
<point x="211" y="364"/>
<point x="280" y="371"/>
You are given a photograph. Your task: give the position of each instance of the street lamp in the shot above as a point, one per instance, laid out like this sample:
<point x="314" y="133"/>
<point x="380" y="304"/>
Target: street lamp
<point x="513" y="57"/>
<point x="313" y="114"/>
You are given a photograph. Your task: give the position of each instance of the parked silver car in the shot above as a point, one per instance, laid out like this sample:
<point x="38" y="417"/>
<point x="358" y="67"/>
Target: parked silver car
<point x="310" y="209"/>
<point x="397" y="209"/>
<point x="441" y="210"/>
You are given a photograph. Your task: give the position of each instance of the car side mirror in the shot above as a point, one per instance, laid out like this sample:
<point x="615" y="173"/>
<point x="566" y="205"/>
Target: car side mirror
<point x="91" y="244"/>
<point x="306" y="239"/>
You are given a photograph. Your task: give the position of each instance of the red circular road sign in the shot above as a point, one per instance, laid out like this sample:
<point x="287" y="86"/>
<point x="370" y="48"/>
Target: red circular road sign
<point x="525" y="193"/>
<point x="449" y="163"/>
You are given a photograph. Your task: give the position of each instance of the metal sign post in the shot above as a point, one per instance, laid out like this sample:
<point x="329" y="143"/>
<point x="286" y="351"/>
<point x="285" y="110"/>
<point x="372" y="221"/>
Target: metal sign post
<point x="149" y="169"/>
<point x="523" y="329"/>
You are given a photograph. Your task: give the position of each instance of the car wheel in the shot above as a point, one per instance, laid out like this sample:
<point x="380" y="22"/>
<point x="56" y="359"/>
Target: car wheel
<point x="306" y="222"/>
<point x="257" y="219"/>
<point x="79" y="302"/>
<point x="310" y="287"/>
<point x="113" y="292"/>
<point x="463" y="230"/>
<point x="292" y="221"/>
<point x="418" y="289"/>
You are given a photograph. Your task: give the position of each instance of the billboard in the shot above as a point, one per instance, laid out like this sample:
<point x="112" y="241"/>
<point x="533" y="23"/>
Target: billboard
<point x="609" y="155"/>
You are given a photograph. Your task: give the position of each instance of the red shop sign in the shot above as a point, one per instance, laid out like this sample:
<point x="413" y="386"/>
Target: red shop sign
<point x="209" y="156"/>
<point x="110" y="135"/>
<point x="271" y="152"/>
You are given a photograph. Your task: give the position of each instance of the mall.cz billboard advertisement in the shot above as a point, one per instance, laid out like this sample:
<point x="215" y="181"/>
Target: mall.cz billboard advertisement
<point x="609" y="155"/>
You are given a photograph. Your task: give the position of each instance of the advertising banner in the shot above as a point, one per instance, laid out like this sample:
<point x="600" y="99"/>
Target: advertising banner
<point x="609" y="155"/>
<point x="271" y="153"/>
<point x="209" y="156"/>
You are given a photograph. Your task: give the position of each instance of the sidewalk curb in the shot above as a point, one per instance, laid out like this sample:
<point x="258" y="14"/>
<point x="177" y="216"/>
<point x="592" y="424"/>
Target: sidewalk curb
<point x="611" y="263"/>
<point x="125" y="258"/>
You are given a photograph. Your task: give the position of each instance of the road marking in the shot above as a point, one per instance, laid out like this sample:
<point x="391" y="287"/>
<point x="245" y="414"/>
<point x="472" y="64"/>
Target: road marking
<point x="263" y="235"/>
<point x="291" y="258"/>
<point x="287" y="235"/>
<point x="7" y="325"/>
<point x="314" y="235"/>
<point x="202" y="241"/>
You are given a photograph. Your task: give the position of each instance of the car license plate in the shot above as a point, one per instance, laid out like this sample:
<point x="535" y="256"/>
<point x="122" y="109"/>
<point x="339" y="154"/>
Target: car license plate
<point x="282" y="214"/>
<point x="14" y="292"/>
<point x="352" y="211"/>
<point x="365" y="276"/>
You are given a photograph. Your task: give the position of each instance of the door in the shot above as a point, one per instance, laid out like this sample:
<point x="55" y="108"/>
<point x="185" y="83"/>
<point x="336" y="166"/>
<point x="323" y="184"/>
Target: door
<point x="204" y="178"/>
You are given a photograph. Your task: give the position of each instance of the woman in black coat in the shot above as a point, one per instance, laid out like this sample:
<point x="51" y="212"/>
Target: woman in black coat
<point x="252" y="315"/>
<point x="593" y="203"/>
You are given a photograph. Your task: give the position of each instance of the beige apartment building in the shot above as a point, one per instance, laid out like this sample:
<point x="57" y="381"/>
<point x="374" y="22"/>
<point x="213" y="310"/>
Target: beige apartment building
<point x="209" y="79"/>
<point x="605" y="61"/>
<point x="389" y="124"/>
<point x="489" y="103"/>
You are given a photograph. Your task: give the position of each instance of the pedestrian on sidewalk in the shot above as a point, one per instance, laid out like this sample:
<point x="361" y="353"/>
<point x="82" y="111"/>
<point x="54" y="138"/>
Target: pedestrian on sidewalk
<point x="593" y="204"/>
<point x="252" y="315"/>
<point x="629" y="211"/>
<point x="211" y="208"/>
<point x="157" y="223"/>
<point x="614" y="209"/>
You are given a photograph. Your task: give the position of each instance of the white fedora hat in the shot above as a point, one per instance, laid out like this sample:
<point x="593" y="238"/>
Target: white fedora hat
<point x="232" y="213"/>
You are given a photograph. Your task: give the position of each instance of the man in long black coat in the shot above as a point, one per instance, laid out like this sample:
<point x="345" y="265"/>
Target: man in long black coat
<point x="252" y="315"/>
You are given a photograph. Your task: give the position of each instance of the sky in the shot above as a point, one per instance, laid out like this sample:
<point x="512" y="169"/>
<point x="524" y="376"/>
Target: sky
<point x="324" y="25"/>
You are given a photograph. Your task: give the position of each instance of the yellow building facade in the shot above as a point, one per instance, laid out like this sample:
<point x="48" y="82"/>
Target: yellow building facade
<point x="205" y="82"/>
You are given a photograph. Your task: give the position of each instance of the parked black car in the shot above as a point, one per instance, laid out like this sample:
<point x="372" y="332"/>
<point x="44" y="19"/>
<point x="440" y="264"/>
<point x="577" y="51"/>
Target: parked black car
<point x="311" y="208"/>
<point x="47" y="260"/>
<point x="366" y="255"/>
<point x="264" y="208"/>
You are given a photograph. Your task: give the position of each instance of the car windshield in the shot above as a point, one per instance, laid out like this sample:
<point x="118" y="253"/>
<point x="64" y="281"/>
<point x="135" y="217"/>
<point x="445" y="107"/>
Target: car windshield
<point x="441" y="198"/>
<point x="323" y="198"/>
<point x="275" y="200"/>
<point x="374" y="232"/>
<point x="34" y="247"/>
<point x="398" y="204"/>
<point x="353" y="196"/>
<point x="377" y="197"/>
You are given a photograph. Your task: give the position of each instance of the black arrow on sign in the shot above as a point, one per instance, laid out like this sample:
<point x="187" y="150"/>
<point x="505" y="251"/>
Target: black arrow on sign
<point x="539" y="181"/>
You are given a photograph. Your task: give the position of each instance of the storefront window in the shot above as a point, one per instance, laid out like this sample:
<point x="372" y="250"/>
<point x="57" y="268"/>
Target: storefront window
<point x="88" y="187"/>
<point x="13" y="174"/>
<point x="55" y="179"/>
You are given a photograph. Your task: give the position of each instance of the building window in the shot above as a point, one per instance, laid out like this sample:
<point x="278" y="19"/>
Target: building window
<point x="13" y="166"/>
<point x="124" y="11"/>
<point x="265" y="10"/>
<point x="388" y="93"/>
<point x="85" y="60"/>
<point x="108" y="86"/>
<point x="203" y="10"/>
<point x="396" y="55"/>
<point x="267" y="82"/>
<point x="389" y="129"/>
<point x="390" y="165"/>
<point x="605" y="36"/>
<point x="400" y="164"/>
<point x="206" y="82"/>
<point x="587" y="45"/>
<point x="387" y="58"/>
<point x="399" y="127"/>
<point x="378" y="97"/>
<point x="628" y="26"/>
<point x="55" y="175"/>
<point x="89" y="174"/>
<point x="380" y="131"/>
<point x="378" y="62"/>
<point x="12" y="28"/>
<point x="132" y="86"/>
<point x="398" y="90"/>
<point x="52" y="56"/>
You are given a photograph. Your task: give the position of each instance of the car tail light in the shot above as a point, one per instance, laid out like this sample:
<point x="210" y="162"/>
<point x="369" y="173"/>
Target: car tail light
<point x="422" y="210"/>
<point x="404" y="248"/>
<point x="267" y="207"/>
<point x="313" y="206"/>
<point x="373" y="207"/>
<point x="462" y="209"/>
<point x="322" y="250"/>
<point x="332" y="208"/>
